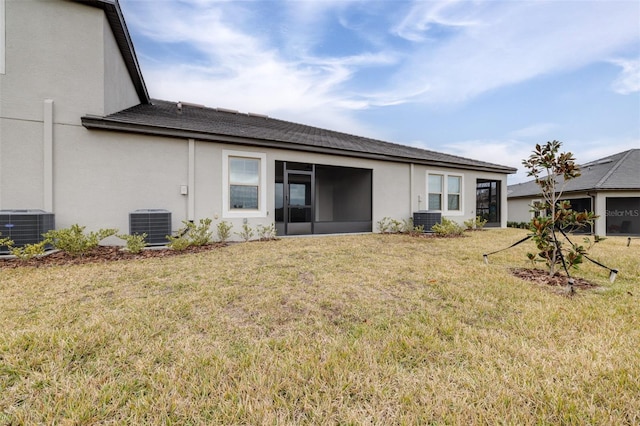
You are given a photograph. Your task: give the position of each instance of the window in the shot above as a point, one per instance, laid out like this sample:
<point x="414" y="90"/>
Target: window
<point x="435" y="192"/>
<point x="244" y="191"/>
<point x="623" y="215"/>
<point x="244" y="182"/>
<point x="454" y="185"/>
<point x="444" y="192"/>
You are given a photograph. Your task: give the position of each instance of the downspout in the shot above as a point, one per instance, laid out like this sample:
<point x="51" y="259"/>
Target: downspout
<point x="411" y="209"/>
<point x="191" y="199"/>
<point x="48" y="156"/>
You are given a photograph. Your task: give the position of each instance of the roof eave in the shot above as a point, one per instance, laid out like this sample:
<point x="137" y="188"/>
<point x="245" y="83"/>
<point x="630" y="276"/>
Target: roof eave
<point x="100" y="123"/>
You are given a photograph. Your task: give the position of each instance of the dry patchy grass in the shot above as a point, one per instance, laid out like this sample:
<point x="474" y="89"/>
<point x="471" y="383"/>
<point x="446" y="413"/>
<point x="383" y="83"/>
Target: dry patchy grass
<point x="370" y="329"/>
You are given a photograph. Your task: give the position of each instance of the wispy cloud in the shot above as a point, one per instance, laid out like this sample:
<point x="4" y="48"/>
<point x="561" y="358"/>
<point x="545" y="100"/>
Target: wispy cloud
<point x="534" y="131"/>
<point x="629" y="80"/>
<point x="428" y="20"/>
<point x="506" y="43"/>
<point x="322" y="62"/>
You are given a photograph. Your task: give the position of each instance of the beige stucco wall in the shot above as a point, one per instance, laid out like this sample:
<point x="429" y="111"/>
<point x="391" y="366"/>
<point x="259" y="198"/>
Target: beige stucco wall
<point x="62" y="53"/>
<point x="520" y="209"/>
<point x="119" y="91"/>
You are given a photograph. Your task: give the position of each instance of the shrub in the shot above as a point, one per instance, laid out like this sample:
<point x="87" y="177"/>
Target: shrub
<point x="246" y="232"/>
<point x="384" y="225"/>
<point x="6" y="241"/>
<point x="417" y="230"/>
<point x="74" y="241"/>
<point x="200" y="235"/>
<point x="266" y="233"/>
<point x="191" y="235"/>
<point x="521" y="225"/>
<point x="396" y="226"/>
<point x="475" y="223"/>
<point x="29" y="250"/>
<point x="135" y="243"/>
<point x="447" y="228"/>
<point x="178" y="242"/>
<point x="224" y="231"/>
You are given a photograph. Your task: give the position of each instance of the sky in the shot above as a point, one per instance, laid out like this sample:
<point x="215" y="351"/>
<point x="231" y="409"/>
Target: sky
<point x="487" y="80"/>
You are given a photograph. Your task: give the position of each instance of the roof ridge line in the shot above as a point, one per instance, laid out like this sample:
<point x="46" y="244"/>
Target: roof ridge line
<point x="613" y="169"/>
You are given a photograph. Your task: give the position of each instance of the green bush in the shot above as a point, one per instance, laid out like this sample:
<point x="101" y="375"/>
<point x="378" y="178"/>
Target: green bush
<point x="417" y="230"/>
<point x="520" y="225"/>
<point x="200" y="235"/>
<point x="475" y="223"/>
<point x="383" y="225"/>
<point x="191" y="235"/>
<point x="447" y="228"/>
<point x="178" y="242"/>
<point x="392" y="226"/>
<point x="246" y="232"/>
<point x="29" y="250"/>
<point x="74" y="241"/>
<point x="224" y="231"/>
<point x="266" y="233"/>
<point x="6" y="241"/>
<point x="135" y="243"/>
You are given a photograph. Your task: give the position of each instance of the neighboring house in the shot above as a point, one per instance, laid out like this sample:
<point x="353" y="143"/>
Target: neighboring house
<point x="610" y="187"/>
<point x="81" y="137"/>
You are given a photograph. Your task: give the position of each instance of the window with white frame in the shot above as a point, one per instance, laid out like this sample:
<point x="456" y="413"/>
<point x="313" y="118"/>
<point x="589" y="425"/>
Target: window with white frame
<point x="244" y="189"/>
<point x="435" y="192"/>
<point x="444" y="192"/>
<point x="454" y="192"/>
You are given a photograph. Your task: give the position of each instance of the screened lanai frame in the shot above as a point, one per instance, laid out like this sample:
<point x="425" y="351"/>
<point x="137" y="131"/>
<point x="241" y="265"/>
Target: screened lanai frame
<point x="322" y="199"/>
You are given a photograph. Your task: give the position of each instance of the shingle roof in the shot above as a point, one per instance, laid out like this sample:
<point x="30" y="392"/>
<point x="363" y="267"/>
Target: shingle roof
<point x="620" y="171"/>
<point x="209" y="124"/>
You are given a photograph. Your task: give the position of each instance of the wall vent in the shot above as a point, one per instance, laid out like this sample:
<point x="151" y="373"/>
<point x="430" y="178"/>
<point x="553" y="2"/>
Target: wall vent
<point x="156" y="223"/>
<point x="426" y="219"/>
<point x="25" y="227"/>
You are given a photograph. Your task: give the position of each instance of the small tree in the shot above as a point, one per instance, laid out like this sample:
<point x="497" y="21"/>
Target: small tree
<point x="551" y="172"/>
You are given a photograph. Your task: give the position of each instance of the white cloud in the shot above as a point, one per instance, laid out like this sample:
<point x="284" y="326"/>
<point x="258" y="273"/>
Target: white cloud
<point x="515" y="42"/>
<point x="427" y="16"/>
<point x="629" y="80"/>
<point x="534" y="131"/>
<point x="233" y="55"/>
<point x="461" y="49"/>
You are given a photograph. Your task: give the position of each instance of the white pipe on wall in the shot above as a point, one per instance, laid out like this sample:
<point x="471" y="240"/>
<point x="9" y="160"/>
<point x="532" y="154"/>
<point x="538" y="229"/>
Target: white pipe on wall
<point x="411" y="209"/>
<point x="48" y="155"/>
<point x="191" y="199"/>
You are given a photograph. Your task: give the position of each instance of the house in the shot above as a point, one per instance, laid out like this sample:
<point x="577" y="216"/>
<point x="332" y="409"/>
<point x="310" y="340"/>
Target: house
<point x="81" y="137"/>
<point x="610" y="187"/>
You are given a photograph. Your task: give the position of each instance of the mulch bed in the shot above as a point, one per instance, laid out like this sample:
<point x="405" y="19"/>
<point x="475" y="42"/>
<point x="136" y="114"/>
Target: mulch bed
<point x="557" y="281"/>
<point x="101" y="254"/>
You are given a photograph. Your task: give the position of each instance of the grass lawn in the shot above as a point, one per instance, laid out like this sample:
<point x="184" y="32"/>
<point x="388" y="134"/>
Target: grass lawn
<point x="368" y="329"/>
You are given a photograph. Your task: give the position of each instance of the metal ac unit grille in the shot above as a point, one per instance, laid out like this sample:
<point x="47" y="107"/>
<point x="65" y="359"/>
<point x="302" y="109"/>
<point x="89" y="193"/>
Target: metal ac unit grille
<point x="25" y="226"/>
<point x="426" y="219"/>
<point x="156" y="223"/>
